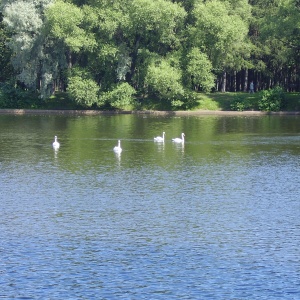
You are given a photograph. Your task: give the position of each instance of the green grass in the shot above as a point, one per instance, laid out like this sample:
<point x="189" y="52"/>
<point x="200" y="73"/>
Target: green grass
<point x="292" y="101"/>
<point x="223" y="101"/>
<point x="204" y="101"/>
<point x="60" y="101"/>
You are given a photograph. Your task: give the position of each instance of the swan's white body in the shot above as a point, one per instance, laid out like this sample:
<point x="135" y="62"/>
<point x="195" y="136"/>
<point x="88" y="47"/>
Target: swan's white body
<point x="179" y="140"/>
<point x="160" y="138"/>
<point x="56" y="144"/>
<point x="118" y="149"/>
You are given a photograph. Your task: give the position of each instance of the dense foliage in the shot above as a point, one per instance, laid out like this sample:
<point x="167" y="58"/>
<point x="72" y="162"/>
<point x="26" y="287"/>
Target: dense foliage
<point x="108" y="53"/>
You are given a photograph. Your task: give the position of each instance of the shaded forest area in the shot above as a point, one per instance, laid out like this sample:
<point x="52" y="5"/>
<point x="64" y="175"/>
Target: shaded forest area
<point x="109" y="53"/>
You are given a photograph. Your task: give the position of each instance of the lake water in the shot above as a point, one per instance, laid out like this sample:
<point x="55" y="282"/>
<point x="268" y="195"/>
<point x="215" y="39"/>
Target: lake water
<point x="215" y="218"/>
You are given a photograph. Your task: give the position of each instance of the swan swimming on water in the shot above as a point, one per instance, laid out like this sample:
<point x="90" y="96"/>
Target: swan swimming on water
<point x="179" y="140"/>
<point x="118" y="149"/>
<point x="159" y="138"/>
<point x="55" y="144"/>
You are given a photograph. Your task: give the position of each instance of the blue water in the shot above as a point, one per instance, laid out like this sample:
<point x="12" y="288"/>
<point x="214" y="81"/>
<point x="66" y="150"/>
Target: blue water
<point x="217" y="218"/>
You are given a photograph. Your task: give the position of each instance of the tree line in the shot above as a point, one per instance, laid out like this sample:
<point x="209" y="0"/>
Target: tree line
<point x="110" y="51"/>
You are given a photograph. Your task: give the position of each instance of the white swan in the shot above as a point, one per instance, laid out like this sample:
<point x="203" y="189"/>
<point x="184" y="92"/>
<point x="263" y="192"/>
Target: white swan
<point x="179" y="140"/>
<point x="118" y="149"/>
<point x="56" y="144"/>
<point x="159" y="138"/>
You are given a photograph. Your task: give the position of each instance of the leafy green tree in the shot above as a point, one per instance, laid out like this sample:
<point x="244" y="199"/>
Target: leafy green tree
<point x="5" y="54"/>
<point x="83" y="91"/>
<point x="220" y="31"/>
<point x="217" y="29"/>
<point x="280" y="35"/>
<point x="164" y="81"/>
<point x="37" y="60"/>
<point x="273" y="31"/>
<point x="158" y="48"/>
<point x="120" y="96"/>
<point x="65" y="22"/>
<point x="121" y="37"/>
<point x="151" y="25"/>
<point x="199" y="70"/>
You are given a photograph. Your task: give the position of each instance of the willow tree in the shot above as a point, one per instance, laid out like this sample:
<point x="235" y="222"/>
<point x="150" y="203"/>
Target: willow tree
<point x="36" y="60"/>
<point x="5" y="54"/>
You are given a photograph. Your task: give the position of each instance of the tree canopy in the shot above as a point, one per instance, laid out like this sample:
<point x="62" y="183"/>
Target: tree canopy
<point x="96" y="50"/>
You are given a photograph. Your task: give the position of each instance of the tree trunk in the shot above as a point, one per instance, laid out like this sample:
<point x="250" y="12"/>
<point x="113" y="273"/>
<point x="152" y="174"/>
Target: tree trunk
<point x="69" y="59"/>
<point x="134" y="56"/>
<point x="217" y="85"/>
<point x="223" y="89"/>
<point x="234" y="81"/>
<point x="246" y="81"/>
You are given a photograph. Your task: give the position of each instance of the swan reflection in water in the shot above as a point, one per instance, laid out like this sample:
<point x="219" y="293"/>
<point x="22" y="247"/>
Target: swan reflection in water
<point x="55" y="153"/>
<point x="118" y="158"/>
<point x="179" y="142"/>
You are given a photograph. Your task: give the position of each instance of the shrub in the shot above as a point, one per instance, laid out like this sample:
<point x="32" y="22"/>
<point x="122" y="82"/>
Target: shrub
<point x="240" y="104"/>
<point x="271" y="100"/>
<point x="177" y="104"/>
<point x="186" y="101"/>
<point x="12" y="96"/>
<point x="164" y="81"/>
<point x="83" y="90"/>
<point x="237" y="105"/>
<point x="119" y="97"/>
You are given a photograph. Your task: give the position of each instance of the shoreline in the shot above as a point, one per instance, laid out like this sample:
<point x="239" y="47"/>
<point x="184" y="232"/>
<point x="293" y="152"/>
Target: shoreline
<point x="142" y="112"/>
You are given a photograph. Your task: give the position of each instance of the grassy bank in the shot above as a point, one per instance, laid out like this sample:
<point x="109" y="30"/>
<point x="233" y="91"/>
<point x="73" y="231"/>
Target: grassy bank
<point x="202" y="101"/>
<point x="225" y="102"/>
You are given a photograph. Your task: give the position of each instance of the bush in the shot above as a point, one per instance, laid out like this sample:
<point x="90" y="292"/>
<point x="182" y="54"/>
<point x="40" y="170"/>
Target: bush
<point x="239" y="104"/>
<point x="271" y="100"/>
<point x="83" y="90"/>
<point x="164" y="81"/>
<point x="243" y="102"/>
<point x="119" y="97"/>
<point x="186" y="102"/>
<point x="12" y="96"/>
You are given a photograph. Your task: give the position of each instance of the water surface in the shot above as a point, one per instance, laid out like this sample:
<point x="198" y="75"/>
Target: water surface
<point x="215" y="218"/>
